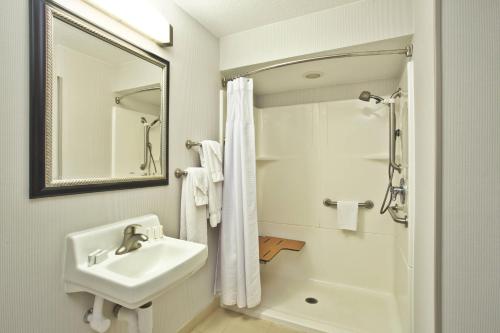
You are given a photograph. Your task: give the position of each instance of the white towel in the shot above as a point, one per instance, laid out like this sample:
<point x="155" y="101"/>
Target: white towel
<point x="194" y="198"/>
<point x="347" y="215"/>
<point x="211" y="159"/>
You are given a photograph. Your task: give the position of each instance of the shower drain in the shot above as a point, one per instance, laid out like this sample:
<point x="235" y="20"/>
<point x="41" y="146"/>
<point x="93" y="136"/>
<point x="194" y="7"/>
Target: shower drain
<point x="311" y="300"/>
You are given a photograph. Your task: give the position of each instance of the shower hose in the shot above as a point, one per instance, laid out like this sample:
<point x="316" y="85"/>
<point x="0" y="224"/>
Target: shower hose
<point x="387" y="202"/>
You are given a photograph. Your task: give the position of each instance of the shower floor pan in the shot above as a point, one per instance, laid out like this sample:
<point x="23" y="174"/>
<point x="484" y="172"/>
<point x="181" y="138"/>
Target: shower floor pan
<point x="339" y="309"/>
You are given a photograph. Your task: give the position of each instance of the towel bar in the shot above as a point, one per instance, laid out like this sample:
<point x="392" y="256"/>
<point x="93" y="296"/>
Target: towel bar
<point x="190" y="144"/>
<point x="179" y="173"/>
<point x="330" y="203"/>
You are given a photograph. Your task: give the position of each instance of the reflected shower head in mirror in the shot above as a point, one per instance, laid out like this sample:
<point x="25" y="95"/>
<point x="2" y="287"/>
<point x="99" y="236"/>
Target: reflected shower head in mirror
<point x="145" y="122"/>
<point x="155" y="122"/>
<point x="366" y="96"/>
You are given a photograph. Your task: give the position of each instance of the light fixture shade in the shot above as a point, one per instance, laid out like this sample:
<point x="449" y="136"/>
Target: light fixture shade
<point x="138" y="15"/>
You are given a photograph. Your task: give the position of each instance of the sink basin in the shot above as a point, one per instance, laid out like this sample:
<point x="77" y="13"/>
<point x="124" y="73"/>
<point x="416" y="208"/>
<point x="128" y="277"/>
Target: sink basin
<point x="134" y="278"/>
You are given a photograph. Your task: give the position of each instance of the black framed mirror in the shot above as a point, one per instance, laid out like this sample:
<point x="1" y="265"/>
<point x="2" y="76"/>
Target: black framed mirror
<point x="98" y="108"/>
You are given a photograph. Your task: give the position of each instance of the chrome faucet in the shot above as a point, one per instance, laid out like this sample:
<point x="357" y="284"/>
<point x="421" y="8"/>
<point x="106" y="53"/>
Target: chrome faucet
<point x="131" y="239"/>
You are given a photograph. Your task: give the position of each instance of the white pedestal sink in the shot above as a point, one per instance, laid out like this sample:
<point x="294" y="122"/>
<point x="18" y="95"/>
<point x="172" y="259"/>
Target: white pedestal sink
<point x="134" y="278"/>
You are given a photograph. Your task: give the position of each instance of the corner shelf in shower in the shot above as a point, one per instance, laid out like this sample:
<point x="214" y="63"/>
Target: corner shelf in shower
<point x="269" y="247"/>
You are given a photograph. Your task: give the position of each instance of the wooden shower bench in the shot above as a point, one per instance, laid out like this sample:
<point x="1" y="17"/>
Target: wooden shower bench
<point x="269" y="247"/>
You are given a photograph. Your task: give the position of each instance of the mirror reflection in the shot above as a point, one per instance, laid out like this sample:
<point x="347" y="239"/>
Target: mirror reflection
<point x="107" y="114"/>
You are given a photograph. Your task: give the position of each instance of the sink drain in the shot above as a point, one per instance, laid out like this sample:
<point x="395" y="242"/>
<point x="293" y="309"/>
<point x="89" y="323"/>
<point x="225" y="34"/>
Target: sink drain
<point x="311" y="300"/>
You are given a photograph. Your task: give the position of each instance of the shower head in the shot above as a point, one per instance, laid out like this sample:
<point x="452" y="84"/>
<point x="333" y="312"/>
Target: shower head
<point x="145" y="122"/>
<point x="366" y="96"/>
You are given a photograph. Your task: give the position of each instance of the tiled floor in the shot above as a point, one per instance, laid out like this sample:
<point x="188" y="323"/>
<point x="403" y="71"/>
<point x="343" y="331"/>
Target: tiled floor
<point x="225" y="321"/>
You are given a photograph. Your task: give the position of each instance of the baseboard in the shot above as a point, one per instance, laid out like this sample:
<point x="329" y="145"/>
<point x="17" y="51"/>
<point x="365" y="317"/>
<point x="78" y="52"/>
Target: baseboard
<point x="190" y="325"/>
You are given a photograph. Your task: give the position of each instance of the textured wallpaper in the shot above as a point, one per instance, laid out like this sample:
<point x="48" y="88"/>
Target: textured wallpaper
<point x="33" y="231"/>
<point x="471" y="166"/>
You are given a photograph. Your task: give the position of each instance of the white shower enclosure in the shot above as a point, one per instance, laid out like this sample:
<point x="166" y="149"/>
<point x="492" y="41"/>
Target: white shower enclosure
<point x="127" y="141"/>
<point x="338" y="150"/>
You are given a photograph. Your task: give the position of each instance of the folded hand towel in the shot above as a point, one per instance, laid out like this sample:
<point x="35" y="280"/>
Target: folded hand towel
<point x="347" y="215"/>
<point x="211" y="159"/>
<point x="194" y="198"/>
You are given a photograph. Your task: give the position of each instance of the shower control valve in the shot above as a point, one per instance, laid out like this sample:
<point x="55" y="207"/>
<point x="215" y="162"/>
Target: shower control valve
<point x="399" y="190"/>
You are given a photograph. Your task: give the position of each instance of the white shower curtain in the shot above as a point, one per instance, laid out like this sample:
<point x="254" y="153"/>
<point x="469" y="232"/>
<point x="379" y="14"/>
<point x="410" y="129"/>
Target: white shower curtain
<point x="238" y="271"/>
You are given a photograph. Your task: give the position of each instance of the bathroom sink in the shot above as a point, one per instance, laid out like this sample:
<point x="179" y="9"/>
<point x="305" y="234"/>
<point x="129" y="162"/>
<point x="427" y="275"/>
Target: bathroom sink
<point x="134" y="278"/>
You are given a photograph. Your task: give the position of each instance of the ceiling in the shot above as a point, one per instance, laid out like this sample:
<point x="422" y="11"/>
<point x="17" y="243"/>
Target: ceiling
<point x="152" y="97"/>
<point x="225" y="17"/>
<point x="333" y="71"/>
<point x="78" y="40"/>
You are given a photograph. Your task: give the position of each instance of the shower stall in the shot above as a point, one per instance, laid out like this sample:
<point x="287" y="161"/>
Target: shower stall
<point x="136" y="132"/>
<point x="315" y="146"/>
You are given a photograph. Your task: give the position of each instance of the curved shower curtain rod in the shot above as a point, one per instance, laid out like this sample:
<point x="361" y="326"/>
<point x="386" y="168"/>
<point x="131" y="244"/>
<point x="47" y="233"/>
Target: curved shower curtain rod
<point x="407" y="51"/>
<point x="119" y="98"/>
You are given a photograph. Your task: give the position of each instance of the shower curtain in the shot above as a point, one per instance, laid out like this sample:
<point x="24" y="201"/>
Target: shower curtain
<point x="238" y="272"/>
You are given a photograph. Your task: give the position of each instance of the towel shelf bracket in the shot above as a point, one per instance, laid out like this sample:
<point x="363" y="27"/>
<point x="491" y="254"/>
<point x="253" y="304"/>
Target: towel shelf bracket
<point x="368" y="204"/>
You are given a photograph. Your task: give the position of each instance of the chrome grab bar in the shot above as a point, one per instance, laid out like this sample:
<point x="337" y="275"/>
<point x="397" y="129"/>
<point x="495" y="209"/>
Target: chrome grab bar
<point x="330" y="203"/>
<point x="146" y="139"/>
<point x="393" y="211"/>
<point x="119" y="98"/>
<point x="392" y="131"/>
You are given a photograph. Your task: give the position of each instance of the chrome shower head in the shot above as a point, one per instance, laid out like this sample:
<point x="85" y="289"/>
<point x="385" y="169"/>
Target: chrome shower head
<point x="366" y="96"/>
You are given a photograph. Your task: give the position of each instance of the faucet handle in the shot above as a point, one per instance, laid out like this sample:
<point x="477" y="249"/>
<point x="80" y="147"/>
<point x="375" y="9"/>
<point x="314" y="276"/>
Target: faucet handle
<point x="132" y="228"/>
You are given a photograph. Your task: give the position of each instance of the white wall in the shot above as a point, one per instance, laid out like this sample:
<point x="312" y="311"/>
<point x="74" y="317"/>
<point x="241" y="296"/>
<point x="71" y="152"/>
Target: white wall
<point x="424" y="58"/>
<point x="361" y="22"/>
<point x="136" y="74"/>
<point x="310" y="152"/>
<point x="85" y="122"/>
<point x="326" y="94"/>
<point x="470" y="273"/>
<point x="31" y="289"/>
